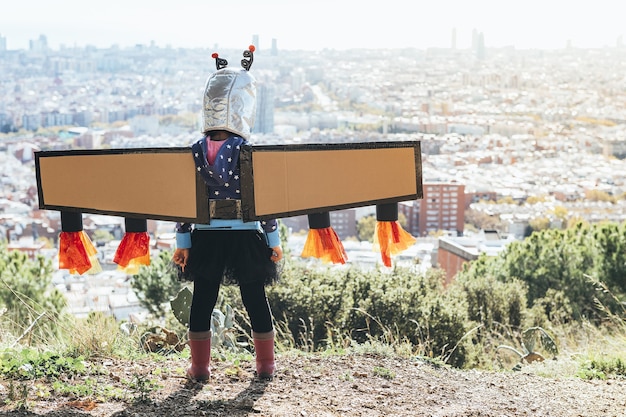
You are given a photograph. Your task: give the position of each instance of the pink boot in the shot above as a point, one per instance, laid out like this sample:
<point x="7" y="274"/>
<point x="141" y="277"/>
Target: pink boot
<point x="264" y="348"/>
<point x="200" y="345"/>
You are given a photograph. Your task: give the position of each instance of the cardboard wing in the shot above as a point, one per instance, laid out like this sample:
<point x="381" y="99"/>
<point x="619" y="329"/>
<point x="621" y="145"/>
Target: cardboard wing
<point x="290" y="180"/>
<point x="276" y="181"/>
<point x="148" y="183"/>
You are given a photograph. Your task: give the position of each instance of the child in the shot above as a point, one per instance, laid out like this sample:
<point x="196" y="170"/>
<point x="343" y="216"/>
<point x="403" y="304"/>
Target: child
<point x="228" y="250"/>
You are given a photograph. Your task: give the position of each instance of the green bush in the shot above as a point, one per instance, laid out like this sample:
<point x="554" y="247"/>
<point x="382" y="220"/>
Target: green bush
<point x="316" y="305"/>
<point x="445" y="324"/>
<point x="394" y="306"/>
<point x="490" y="301"/>
<point x="554" y="309"/>
<point x="29" y="306"/>
<point x="157" y="284"/>
<point x="563" y="260"/>
<point x="308" y="300"/>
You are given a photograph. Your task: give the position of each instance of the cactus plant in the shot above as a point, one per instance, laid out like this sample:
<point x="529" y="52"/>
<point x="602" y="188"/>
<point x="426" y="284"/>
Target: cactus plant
<point x="222" y="323"/>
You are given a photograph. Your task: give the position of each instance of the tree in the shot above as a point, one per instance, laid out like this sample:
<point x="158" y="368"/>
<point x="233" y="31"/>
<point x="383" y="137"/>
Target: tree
<point x="483" y="221"/>
<point x="157" y="284"/>
<point x="489" y="300"/>
<point x="561" y="260"/>
<point x="284" y="236"/>
<point x="539" y="223"/>
<point x="402" y="220"/>
<point x="610" y="255"/>
<point x="561" y="214"/>
<point x="506" y="200"/>
<point x="534" y="199"/>
<point x="102" y="236"/>
<point x="599" y="195"/>
<point x="365" y="228"/>
<point x="27" y="294"/>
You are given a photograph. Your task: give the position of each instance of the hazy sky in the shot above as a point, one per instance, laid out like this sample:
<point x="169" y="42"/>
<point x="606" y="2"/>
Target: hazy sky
<point x="313" y="25"/>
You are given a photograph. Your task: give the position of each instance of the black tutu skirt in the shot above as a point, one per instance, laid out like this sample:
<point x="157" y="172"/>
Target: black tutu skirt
<point x="231" y="256"/>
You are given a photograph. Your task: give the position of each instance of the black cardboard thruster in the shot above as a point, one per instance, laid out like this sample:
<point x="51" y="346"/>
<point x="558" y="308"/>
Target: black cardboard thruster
<point x="135" y="225"/>
<point x="319" y="220"/>
<point x="71" y="221"/>
<point x="387" y="212"/>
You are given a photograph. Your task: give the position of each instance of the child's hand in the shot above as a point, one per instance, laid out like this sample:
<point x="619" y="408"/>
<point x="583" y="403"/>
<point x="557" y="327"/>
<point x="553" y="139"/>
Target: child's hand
<point x="180" y="257"/>
<point x="277" y="253"/>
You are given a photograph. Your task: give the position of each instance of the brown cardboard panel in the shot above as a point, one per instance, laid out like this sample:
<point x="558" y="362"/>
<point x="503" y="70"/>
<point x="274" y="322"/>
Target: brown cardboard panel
<point x="276" y="181"/>
<point x="303" y="180"/>
<point x="155" y="184"/>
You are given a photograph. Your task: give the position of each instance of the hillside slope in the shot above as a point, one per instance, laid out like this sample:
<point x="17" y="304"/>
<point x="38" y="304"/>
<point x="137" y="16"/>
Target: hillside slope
<point x="318" y="385"/>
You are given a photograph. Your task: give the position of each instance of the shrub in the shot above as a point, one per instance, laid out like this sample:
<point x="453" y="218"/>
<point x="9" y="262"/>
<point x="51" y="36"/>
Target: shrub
<point x="396" y="306"/>
<point x="311" y="298"/>
<point x="29" y="305"/>
<point x="157" y="284"/>
<point x="490" y="301"/>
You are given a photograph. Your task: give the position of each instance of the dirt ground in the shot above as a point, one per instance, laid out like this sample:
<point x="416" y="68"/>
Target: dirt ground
<point x="317" y="385"/>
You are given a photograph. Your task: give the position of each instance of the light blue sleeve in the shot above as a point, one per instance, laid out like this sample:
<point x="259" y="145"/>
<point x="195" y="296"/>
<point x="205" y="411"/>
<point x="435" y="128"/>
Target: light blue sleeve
<point x="273" y="238"/>
<point x="183" y="240"/>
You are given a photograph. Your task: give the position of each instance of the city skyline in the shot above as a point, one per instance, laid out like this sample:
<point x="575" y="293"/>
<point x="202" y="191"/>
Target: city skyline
<point x="315" y="26"/>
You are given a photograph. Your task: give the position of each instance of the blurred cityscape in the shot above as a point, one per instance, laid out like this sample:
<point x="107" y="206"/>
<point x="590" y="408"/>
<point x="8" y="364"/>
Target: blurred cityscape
<point x="512" y="140"/>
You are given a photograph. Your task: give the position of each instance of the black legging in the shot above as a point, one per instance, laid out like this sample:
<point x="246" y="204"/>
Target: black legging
<point x="253" y="296"/>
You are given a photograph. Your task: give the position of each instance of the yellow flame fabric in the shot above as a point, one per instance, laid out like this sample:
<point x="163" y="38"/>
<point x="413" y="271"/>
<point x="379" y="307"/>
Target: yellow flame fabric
<point x="78" y="254"/>
<point x="133" y="252"/>
<point x="325" y="245"/>
<point x="391" y="239"/>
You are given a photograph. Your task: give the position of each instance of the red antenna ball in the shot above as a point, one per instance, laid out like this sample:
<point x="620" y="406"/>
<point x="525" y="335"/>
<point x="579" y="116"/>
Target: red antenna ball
<point x="251" y="48"/>
<point x="215" y="55"/>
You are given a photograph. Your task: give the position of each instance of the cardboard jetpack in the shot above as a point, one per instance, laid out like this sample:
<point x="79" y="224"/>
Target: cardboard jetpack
<point x="276" y="181"/>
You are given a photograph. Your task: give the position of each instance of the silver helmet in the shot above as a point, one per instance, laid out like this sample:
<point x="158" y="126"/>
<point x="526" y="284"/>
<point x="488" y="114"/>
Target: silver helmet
<point x="230" y="98"/>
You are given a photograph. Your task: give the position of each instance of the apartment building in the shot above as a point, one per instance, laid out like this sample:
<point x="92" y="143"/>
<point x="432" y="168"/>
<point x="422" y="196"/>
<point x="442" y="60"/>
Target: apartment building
<point x="441" y="209"/>
<point x="614" y="147"/>
<point x="454" y="252"/>
<point x="342" y="221"/>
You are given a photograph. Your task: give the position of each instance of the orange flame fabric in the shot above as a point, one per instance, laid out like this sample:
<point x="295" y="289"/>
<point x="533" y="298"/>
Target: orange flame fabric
<point x="77" y="254"/>
<point x="133" y="251"/>
<point x="390" y="239"/>
<point x="325" y="245"/>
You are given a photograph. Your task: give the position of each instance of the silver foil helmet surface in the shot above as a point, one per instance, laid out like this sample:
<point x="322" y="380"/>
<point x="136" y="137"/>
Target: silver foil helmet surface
<point x="230" y="102"/>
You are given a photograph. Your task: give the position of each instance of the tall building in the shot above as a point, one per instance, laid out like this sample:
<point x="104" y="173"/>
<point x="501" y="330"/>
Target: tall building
<point x="4" y="122"/>
<point x="3" y="44"/>
<point x="274" y="47"/>
<point x="264" y="122"/>
<point x="39" y="45"/>
<point x="255" y="42"/>
<point x="453" y="42"/>
<point x="480" y="47"/>
<point x="31" y="122"/>
<point x="441" y="209"/>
